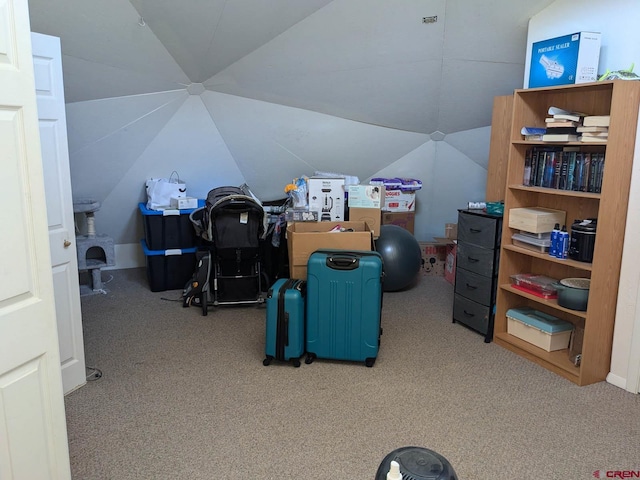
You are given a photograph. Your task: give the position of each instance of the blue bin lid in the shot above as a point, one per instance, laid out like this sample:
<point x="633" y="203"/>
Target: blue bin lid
<point x="166" y="253"/>
<point x="145" y="211"/>
<point x="540" y="320"/>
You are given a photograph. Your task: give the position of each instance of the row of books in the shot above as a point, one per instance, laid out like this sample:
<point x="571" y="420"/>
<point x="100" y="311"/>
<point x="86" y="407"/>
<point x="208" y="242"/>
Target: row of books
<point x="563" y="169"/>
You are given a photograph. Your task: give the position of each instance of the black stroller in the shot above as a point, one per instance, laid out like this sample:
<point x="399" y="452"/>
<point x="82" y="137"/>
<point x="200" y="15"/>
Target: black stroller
<point x="228" y="268"/>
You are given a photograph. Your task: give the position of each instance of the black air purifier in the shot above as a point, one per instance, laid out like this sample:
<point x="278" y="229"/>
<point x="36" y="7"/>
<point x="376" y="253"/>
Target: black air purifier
<point x="417" y="463"/>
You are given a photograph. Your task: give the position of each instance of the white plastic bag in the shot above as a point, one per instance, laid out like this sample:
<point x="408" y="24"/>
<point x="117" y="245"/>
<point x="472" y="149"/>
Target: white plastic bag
<point x="160" y="191"/>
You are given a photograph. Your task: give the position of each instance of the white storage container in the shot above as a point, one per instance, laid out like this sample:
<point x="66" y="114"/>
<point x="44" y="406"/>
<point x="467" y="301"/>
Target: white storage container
<point x="540" y="329"/>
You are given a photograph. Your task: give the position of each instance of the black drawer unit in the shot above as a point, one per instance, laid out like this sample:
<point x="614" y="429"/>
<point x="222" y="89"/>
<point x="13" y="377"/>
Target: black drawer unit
<point x="477" y="261"/>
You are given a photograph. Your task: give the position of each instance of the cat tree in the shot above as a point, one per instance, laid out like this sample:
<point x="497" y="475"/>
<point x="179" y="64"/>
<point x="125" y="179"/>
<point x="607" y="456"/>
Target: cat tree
<point x="95" y="251"/>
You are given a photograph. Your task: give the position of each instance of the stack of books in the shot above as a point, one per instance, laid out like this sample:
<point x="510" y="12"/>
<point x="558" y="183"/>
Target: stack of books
<point x="594" y="128"/>
<point x="562" y="125"/>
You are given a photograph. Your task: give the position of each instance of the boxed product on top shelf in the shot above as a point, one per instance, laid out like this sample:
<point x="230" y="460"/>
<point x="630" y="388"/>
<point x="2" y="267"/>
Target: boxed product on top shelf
<point x="568" y="59"/>
<point x="564" y="169"/>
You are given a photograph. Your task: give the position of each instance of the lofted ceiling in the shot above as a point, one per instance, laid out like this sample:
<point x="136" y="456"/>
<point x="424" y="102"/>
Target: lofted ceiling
<point x="370" y="61"/>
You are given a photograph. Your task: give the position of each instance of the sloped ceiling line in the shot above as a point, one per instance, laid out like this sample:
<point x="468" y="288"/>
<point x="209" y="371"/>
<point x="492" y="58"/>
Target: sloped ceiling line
<point x="132" y="122"/>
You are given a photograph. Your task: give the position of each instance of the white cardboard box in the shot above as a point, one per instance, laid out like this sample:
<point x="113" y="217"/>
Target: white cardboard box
<point x="326" y="196"/>
<point x="366" y="196"/>
<point x="181" y="203"/>
<point x="565" y="60"/>
<point x="399" y="201"/>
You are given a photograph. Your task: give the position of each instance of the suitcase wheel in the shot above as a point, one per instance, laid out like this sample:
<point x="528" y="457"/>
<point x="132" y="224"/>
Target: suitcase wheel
<point x="310" y="358"/>
<point x="295" y="362"/>
<point x="369" y="361"/>
<point x="267" y="361"/>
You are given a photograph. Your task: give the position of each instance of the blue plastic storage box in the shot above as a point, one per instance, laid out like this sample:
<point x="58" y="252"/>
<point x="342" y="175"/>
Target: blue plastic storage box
<point x="165" y="229"/>
<point x="542" y="330"/>
<point x="169" y="269"/>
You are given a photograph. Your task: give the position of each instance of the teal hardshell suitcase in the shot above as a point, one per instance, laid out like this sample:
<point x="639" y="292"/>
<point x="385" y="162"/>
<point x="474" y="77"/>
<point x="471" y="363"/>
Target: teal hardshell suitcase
<point x="344" y="305"/>
<point x="285" y="321"/>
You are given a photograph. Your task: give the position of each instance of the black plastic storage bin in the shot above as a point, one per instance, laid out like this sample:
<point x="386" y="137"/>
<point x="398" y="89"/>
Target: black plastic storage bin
<point x="165" y="229"/>
<point x="169" y="269"/>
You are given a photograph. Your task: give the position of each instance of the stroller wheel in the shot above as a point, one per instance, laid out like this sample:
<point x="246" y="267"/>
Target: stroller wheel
<point x="205" y="305"/>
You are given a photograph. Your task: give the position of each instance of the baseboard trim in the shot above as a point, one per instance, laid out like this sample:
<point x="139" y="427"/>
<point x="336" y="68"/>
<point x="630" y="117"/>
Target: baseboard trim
<point x="617" y="380"/>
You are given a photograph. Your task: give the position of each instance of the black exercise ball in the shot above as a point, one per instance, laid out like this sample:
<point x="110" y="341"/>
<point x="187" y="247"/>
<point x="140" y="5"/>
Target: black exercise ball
<point x="401" y="257"/>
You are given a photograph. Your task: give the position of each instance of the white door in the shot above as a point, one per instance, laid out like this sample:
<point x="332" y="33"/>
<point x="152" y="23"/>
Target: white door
<point x="33" y="436"/>
<point x="47" y="65"/>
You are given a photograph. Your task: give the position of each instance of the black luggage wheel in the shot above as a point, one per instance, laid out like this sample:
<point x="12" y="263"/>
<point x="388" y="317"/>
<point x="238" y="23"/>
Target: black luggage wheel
<point x="267" y="361"/>
<point x="369" y="362"/>
<point x="310" y="358"/>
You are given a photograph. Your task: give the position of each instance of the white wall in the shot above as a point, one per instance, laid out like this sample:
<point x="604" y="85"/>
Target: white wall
<point x="617" y="20"/>
<point x="625" y="358"/>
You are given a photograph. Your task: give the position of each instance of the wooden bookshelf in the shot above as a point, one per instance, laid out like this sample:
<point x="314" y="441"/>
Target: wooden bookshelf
<point x="621" y="100"/>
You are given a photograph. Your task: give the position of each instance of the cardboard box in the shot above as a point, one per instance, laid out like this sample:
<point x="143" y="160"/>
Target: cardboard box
<point x="366" y="196"/>
<point x="372" y="216"/>
<point x="451" y="231"/>
<point x="183" y="203"/>
<point x="399" y="200"/>
<point x="450" y="264"/>
<point x="433" y="258"/>
<point x="540" y="329"/>
<point x="326" y="196"/>
<point x="304" y="238"/>
<point x="536" y="219"/>
<point x="402" y="219"/>
<point x="565" y="60"/>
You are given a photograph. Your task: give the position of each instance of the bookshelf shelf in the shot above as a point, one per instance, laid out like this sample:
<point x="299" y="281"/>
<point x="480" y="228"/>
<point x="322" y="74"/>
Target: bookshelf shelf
<point x="567" y="262"/>
<point x="551" y="144"/>
<point x="557" y="361"/>
<point x="550" y="304"/>
<point x="555" y="191"/>
<point x="620" y="100"/>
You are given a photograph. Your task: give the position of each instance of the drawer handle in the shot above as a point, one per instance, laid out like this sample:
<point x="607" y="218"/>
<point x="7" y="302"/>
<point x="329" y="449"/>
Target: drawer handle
<point x="475" y="230"/>
<point x="471" y="259"/>
<point x="471" y="287"/>
<point x="468" y="314"/>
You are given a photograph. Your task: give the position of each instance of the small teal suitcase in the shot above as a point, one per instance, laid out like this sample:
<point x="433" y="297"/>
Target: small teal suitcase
<point x="344" y="305"/>
<point x="285" y="321"/>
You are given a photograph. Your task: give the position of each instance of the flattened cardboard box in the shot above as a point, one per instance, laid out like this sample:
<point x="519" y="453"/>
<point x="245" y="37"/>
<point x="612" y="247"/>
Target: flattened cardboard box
<point x="304" y="238"/>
